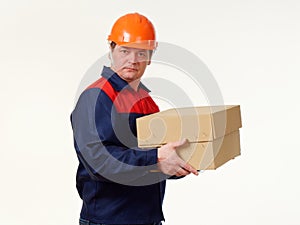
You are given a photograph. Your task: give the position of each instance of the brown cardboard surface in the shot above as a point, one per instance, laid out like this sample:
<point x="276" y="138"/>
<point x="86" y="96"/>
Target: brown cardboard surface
<point x="212" y="154"/>
<point x="197" y="124"/>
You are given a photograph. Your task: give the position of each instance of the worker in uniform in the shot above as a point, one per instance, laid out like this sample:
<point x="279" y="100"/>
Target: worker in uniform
<point x="118" y="182"/>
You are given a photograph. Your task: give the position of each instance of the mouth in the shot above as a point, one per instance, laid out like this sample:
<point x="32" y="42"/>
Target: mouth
<point x="131" y="69"/>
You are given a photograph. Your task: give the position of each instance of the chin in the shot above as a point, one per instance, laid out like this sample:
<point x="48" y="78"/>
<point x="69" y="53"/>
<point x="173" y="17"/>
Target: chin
<point x="131" y="76"/>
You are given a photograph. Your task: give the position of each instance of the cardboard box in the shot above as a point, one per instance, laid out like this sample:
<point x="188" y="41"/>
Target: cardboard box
<point x="212" y="131"/>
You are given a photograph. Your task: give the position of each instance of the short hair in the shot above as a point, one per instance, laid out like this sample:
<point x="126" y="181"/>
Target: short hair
<point x="112" y="45"/>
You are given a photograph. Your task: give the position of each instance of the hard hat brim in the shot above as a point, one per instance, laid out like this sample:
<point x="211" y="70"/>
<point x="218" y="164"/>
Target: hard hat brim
<point x="149" y="44"/>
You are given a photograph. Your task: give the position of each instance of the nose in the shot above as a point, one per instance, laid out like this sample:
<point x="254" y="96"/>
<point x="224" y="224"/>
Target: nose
<point x="132" y="58"/>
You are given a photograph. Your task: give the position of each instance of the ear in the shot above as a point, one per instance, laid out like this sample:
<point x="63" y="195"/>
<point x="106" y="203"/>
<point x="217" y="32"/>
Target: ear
<point x="110" y="53"/>
<point x="150" y="57"/>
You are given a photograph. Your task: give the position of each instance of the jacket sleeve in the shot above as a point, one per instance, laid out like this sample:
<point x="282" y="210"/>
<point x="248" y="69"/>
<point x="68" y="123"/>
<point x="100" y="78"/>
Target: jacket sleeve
<point x="99" y="148"/>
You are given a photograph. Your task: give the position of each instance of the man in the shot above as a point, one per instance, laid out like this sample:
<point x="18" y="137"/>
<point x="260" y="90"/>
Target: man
<point x="115" y="179"/>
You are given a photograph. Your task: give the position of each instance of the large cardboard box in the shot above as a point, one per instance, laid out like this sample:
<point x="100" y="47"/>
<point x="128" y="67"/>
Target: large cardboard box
<point x="212" y="132"/>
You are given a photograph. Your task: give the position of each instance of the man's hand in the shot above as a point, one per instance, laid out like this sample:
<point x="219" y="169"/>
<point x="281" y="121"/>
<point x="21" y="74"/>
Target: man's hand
<point x="170" y="163"/>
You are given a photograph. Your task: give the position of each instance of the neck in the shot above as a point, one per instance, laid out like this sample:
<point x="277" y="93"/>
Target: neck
<point x="135" y="84"/>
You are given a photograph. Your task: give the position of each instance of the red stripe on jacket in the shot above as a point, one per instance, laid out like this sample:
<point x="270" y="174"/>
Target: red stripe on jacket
<point x="127" y="100"/>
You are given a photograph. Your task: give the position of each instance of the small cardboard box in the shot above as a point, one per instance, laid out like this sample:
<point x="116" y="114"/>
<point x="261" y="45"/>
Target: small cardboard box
<point x="212" y="131"/>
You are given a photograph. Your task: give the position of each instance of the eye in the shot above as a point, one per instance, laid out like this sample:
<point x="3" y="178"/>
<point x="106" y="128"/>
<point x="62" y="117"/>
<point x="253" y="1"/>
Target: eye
<point x="142" y="54"/>
<point x="124" y="51"/>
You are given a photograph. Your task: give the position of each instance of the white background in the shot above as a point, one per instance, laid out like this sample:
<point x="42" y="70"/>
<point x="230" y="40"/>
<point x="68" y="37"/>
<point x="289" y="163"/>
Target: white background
<point x="251" y="47"/>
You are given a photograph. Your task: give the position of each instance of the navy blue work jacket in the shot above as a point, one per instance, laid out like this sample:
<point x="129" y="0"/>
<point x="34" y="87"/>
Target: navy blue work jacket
<point x="114" y="177"/>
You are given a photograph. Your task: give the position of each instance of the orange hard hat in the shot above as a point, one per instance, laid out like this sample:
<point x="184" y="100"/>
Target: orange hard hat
<point x="133" y="30"/>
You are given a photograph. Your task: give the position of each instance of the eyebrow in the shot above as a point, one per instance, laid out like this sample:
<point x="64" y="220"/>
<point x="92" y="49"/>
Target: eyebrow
<point x="137" y="49"/>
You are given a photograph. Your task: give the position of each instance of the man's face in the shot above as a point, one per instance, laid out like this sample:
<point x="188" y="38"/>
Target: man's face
<point x="129" y="63"/>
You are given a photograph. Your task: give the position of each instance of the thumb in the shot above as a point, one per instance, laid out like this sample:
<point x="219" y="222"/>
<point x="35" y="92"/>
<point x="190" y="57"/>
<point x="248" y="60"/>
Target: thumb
<point x="180" y="143"/>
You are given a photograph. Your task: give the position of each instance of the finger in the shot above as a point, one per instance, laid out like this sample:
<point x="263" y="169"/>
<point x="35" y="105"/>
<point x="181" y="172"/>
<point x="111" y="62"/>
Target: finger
<point x="184" y="165"/>
<point x="190" y="169"/>
<point x="182" y="172"/>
